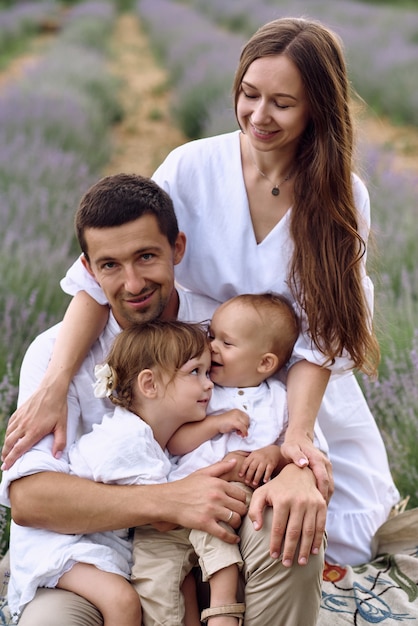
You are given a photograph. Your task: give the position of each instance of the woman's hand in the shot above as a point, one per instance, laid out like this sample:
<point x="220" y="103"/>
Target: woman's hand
<point x="306" y="383"/>
<point x="43" y="413"/>
<point x="299" y="514"/>
<point x="302" y="452"/>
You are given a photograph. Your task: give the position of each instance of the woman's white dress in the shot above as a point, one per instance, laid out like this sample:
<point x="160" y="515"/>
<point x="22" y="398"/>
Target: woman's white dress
<point x="205" y="180"/>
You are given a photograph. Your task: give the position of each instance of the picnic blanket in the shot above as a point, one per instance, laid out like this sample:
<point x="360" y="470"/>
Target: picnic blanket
<point x="383" y="591"/>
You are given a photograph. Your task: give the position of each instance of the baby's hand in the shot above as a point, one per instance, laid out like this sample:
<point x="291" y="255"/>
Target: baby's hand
<point x="233" y="420"/>
<point x="234" y="474"/>
<point x="259" y="465"/>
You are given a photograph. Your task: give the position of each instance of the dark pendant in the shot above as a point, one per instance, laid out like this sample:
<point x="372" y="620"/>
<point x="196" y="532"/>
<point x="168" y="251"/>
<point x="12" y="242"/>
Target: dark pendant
<point x="275" y="191"/>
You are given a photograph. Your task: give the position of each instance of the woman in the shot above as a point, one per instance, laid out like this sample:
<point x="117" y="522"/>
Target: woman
<point x="275" y="206"/>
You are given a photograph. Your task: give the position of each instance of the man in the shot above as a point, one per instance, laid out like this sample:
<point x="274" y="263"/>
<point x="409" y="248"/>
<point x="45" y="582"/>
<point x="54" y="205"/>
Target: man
<point x="130" y="241"/>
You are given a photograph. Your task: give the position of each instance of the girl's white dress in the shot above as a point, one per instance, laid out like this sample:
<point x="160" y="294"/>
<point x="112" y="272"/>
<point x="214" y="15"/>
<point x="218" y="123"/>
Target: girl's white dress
<point x="121" y="450"/>
<point x="205" y="180"/>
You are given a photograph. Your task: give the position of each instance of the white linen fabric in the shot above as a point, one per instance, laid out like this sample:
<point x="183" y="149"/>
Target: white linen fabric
<point x="222" y="259"/>
<point x="205" y="181"/>
<point x="40" y="557"/>
<point x="267" y="408"/>
<point x="120" y="450"/>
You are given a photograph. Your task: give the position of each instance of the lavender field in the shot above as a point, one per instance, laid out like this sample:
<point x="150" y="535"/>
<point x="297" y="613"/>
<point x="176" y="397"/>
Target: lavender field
<point x="54" y="130"/>
<point x="381" y="44"/>
<point x="54" y="141"/>
<point x="19" y="22"/>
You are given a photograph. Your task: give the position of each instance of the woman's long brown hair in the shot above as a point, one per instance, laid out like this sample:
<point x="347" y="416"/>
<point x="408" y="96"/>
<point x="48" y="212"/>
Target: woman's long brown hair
<point x="325" y="273"/>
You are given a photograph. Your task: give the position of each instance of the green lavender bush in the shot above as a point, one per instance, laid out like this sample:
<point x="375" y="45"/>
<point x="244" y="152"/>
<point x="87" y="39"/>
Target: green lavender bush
<point x="54" y="138"/>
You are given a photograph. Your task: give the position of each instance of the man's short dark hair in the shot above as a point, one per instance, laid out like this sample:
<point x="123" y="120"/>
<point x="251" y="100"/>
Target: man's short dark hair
<point x="122" y="198"/>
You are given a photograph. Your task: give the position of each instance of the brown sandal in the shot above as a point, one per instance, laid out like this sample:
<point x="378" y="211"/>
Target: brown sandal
<point x="231" y="610"/>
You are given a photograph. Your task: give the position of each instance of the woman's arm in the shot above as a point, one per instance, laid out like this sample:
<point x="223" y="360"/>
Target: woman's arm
<point x="306" y="384"/>
<point x="45" y="411"/>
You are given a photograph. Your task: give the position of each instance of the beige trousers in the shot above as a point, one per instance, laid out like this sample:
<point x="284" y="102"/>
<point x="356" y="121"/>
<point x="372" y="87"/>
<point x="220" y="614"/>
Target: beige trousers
<point x="274" y="595"/>
<point x="161" y="561"/>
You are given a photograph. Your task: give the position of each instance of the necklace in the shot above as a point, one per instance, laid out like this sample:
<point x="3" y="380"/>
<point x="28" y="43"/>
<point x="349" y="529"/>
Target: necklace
<point x="276" y="186"/>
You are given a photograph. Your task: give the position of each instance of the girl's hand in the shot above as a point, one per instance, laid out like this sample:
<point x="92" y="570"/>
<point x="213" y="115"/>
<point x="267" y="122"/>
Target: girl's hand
<point x="260" y="465"/>
<point x="233" y="420"/>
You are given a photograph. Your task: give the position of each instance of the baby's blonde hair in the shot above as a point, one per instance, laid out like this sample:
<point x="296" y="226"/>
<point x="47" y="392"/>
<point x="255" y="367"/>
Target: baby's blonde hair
<point x="279" y="322"/>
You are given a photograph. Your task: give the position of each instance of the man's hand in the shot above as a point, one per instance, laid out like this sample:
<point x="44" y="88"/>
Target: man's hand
<point x="201" y="501"/>
<point x="43" y="413"/>
<point x="234" y="469"/>
<point x="220" y="501"/>
<point x="302" y="452"/>
<point x="299" y="513"/>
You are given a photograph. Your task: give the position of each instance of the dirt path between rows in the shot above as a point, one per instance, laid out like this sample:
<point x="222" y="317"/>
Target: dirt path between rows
<point x="401" y="141"/>
<point x="147" y="133"/>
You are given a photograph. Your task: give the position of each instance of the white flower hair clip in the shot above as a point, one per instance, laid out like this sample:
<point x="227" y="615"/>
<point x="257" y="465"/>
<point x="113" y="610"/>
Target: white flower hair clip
<point x="104" y="381"/>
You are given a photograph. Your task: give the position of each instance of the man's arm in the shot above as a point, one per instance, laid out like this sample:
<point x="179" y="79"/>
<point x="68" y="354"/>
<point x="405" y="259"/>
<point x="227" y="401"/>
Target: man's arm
<point x="45" y="410"/>
<point x="69" y="504"/>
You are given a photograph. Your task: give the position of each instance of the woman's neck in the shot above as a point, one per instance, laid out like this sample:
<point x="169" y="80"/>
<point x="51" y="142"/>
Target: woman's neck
<point x="274" y="165"/>
<point x="269" y="198"/>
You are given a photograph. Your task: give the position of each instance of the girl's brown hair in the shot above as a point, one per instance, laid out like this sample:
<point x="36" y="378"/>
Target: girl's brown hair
<point x="326" y="267"/>
<point x="163" y="346"/>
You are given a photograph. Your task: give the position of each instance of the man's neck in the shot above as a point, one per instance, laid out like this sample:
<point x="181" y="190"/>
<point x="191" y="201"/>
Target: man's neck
<point x="172" y="309"/>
